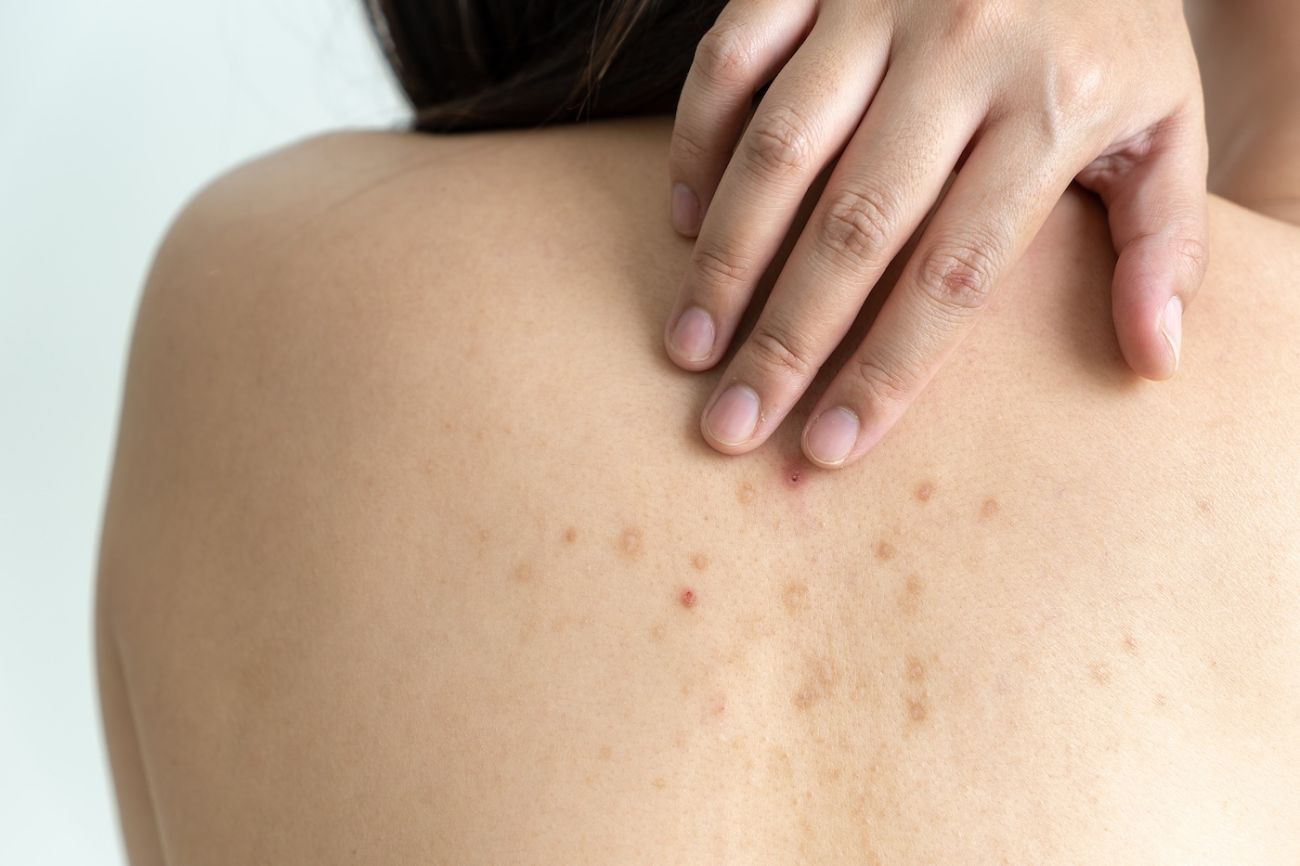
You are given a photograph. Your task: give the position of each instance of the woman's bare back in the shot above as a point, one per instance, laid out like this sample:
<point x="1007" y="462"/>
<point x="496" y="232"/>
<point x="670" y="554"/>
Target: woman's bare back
<point x="414" y="553"/>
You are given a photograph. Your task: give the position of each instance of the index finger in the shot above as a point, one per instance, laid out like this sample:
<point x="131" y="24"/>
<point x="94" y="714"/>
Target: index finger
<point x="742" y="52"/>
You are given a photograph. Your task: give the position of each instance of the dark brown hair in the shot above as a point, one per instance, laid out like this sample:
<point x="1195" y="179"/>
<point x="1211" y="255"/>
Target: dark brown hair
<point x="482" y="64"/>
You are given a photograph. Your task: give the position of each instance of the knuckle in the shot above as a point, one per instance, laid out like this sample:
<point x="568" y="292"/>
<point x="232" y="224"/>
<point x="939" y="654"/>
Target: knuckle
<point x="1194" y="255"/>
<point x="1073" y="97"/>
<point x="970" y="20"/>
<point x="725" y="54"/>
<point x="719" y="268"/>
<point x="774" y="351"/>
<point x="881" y="385"/>
<point x="858" y="226"/>
<point x="686" y="146"/>
<point x="958" y="276"/>
<point x="779" y="142"/>
<point x="1077" y="86"/>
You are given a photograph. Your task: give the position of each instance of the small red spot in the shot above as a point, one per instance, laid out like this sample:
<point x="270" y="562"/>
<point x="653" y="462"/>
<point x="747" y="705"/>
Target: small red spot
<point x="794" y="473"/>
<point x="687" y="598"/>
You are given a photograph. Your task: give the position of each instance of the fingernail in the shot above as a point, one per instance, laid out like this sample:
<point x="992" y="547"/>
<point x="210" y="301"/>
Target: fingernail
<point x="1171" y="327"/>
<point x="734" y="415"/>
<point x="692" y="337"/>
<point x="832" y="436"/>
<point x="686" y="210"/>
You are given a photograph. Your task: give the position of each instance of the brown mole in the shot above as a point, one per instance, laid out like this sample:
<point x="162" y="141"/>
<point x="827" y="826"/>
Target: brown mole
<point x="916" y="710"/>
<point x="909" y="601"/>
<point x="989" y="507"/>
<point x="915" y="669"/>
<point x="524" y="573"/>
<point x="884" y="550"/>
<point x="795" y="597"/>
<point x="818" y="682"/>
<point x="745" y="493"/>
<point x="700" y="561"/>
<point x="570" y="535"/>
<point x="924" y="491"/>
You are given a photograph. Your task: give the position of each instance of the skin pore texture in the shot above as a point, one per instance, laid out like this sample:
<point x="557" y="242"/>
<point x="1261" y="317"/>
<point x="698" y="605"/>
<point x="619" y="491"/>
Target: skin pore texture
<point x="414" y="553"/>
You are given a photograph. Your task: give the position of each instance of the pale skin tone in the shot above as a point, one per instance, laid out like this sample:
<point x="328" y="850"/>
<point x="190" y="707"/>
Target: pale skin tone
<point x="1021" y="96"/>
<point x="378" y="586"/>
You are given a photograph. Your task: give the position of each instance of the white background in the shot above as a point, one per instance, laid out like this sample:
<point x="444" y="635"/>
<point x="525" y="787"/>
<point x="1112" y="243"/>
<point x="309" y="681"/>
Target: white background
<point x="112" y="113"/>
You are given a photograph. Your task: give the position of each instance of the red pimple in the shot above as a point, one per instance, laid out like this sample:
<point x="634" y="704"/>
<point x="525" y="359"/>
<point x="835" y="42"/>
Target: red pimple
<point x="687" y="598"/>
<point x="793" y="474"/>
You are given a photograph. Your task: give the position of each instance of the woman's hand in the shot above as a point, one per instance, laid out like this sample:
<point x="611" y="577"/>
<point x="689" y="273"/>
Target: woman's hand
<point x="1026" y="95"/>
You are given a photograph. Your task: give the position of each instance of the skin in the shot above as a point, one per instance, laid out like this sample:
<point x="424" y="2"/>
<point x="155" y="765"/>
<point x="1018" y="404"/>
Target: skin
<point x="1020" y="96"/>
<point x="378" y="585"/>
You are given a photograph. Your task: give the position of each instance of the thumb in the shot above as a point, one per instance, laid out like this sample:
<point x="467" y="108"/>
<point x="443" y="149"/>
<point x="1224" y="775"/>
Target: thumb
<point x="1157" y="198"/>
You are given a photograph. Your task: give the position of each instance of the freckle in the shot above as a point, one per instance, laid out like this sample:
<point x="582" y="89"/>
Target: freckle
<point x="1213" y="664"/>
<point x="990" y="507"/>
<point x="687" y="598"/>
<point x="820" y="679"/>
<point x="1160" y="700"/>
<point x="924" y="491"/>
<point x="795" y="597"/>
<point x="1100" y="672"/>
<point x="915" y="669"/>
<point x="686" y="688"/>
<point x="483" y="536"/>
<point x="1129" y="643"/>
<point x="745" y="493"/>
<point x="570" y="535"/>
<point x="659" y="782"/>
<point x="916" y="710"/>
<point x="1203" y="505"/>
<point x="657" y="632"/>
<point x="606" y="752"/>
<point x="700" y="561"/>
<point x="884" y="551"/>
<point x="630" y="542"/>
<point x="910" y="599"/>
<point x="523" y="572"/>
